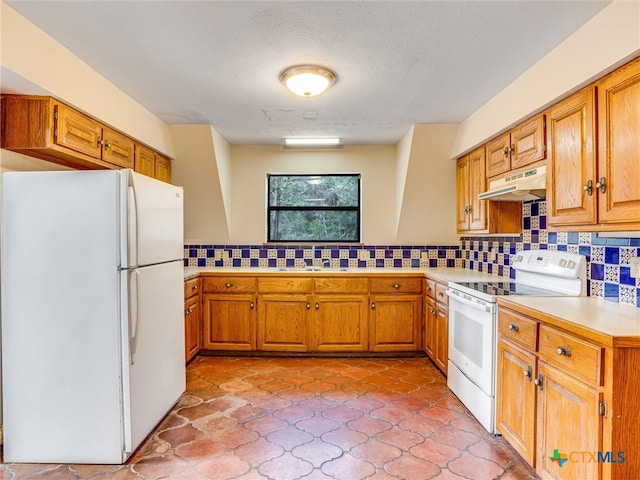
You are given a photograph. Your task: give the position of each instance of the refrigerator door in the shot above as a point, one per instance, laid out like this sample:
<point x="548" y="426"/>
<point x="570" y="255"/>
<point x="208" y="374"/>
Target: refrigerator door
<point x="153" y="346"/>
<point x="152" y="227"/>
<point x="61" y="358"/>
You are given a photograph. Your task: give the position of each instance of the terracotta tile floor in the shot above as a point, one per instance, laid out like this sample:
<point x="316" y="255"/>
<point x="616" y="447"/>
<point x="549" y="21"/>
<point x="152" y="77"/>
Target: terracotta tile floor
<point x="309" y="418"/>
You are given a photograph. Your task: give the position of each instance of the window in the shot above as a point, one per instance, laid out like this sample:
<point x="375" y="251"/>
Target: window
<point x="309" y="208"/>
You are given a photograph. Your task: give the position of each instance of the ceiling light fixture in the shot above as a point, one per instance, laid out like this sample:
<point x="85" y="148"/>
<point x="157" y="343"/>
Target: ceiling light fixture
<point x="311" y="142"/>
<point x="307" y="80"/>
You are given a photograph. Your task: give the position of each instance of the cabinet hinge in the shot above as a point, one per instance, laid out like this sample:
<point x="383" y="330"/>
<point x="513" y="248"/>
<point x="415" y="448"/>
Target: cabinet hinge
<point x="603" y="409"/>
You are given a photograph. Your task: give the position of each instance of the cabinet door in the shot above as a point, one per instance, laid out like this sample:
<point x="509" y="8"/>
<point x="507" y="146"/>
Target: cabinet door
<point x="498" y="155"/>
<point x="340" y="323"/>
<point x="144" y="161"/>
<point x="162" y="168"/>
<point x="117" y="148"/>
<point x="442" y="337"/>
<point x="516" y="398"/>
<point x="283" y="322"/>
<point x="568" y="426"/>
<point x="395" y="323"/>
<point x="619" y="145"/>
<point x="572" y="161"/>
<point x="528" y="142"/>
<point x="462" y="193"/>
<point x="229" y="322"/>
<point x="192" y="327"/>
<point x="77" y="131"/>
<point x="429" y="340"/>
<point x="477" y="185"/>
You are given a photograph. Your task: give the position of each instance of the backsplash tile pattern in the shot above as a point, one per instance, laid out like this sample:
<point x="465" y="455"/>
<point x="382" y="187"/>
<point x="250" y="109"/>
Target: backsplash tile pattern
<point x="608" y="259"/>
<point x="331" y="256"/>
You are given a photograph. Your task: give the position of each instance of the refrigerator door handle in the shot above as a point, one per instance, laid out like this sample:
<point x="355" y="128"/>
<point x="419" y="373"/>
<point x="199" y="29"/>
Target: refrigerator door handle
<point x="132" y="226"/>
<point x="133" y="316"/>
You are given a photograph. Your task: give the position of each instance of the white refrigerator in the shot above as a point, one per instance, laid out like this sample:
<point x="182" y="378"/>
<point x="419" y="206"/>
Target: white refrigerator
<point x="92" y="313"/>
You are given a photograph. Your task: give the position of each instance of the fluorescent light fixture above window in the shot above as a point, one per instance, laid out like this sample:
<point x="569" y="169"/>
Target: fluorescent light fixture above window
<point x="312" y="142"/>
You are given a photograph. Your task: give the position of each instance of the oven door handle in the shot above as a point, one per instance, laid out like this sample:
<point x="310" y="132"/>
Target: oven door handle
<point x="478" y="304"/>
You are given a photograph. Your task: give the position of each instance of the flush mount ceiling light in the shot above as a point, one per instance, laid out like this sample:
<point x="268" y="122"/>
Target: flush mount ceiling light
<point x="311" y="142"/>
<point x="307" y="80"/>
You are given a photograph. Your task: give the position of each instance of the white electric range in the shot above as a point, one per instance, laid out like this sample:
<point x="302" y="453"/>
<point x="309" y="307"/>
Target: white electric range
<point x="473" y="321"/>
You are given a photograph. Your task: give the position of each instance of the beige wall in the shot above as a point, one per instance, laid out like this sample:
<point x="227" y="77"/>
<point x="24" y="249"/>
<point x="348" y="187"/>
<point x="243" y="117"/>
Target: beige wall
<point x="32" y="62"/>
<point x="250" y="165"/>
<point x="608" y="40"/>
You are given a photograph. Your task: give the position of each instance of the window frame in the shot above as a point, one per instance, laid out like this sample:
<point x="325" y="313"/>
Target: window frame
<point x="357" y="209"/>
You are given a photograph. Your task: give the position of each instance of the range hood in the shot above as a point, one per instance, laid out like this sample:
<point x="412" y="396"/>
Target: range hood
<point x="521" y="186"/>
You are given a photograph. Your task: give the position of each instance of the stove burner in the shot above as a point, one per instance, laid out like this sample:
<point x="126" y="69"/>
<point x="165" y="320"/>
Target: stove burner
<point x="506" y="288"/>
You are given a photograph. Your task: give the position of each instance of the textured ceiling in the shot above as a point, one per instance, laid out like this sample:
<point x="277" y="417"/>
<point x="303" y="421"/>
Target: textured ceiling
<point x="398" y="62"/>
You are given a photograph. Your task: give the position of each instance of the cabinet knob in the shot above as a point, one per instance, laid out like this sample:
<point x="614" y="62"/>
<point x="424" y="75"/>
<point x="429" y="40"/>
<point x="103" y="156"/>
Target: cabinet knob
<point x="317" y="306"/>
<point x="252" y="305"/>
<point x="512" y="149"/>
<point x="602" y="184"/>
<point x="107" y="145"/>
<point x="99" y="142"/>
<point x="396" y="286"/>
<point x="588" y="187"/>
<point x="373" y="306"/>
<point x="513" y="327"/>
<point x="563" y="351"/>
<point x="505" y="152"/>
<point x="308" y="306"/>
<point x="428" y="288"/>
<point x="538" y="381"/>
<point x="195" y="287"/>
<point x="228" y="285"/>
<point x="528" y="372"/>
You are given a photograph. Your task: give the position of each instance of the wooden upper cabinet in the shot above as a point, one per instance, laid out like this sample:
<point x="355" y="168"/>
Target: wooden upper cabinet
<point x="117" y="148"/>
<point x="571" y="164"/>
<point x="76" y="131"/>
<point x="498" y="155"/>
<point x="162" y="168"/>
<point x="144" y="161"/>
<point x="471" y="181"/>
<point x="45" y="128"/>
<point x="619" y="147"/>
<point x="522" y="146"/>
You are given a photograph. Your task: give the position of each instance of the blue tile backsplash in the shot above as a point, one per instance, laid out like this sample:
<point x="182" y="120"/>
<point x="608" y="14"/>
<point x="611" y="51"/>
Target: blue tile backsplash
<point x="608" y="259"/>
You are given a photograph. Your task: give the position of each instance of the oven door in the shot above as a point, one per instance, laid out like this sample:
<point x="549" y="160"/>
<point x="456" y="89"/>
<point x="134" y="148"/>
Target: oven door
<point x="472" y="332"/>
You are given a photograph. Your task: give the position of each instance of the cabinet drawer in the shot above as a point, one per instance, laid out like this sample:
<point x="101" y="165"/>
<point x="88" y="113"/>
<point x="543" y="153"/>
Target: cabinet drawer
<point x="517" y="328"/>
<point x="441" y="293"/>
<point x="396" y="285"/>
<point x="191" y="287"/>
<point x="229" y="284"/>
<point x="571" y="354"/>
<point x="430" y="288"/>
<point x="285" y="284"/>
<point x="339" y="284"/>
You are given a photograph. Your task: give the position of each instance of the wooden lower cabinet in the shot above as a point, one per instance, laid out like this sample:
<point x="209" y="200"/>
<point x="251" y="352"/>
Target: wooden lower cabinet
<point x="283" y="322"/>
<point x="229" y="322"/>
<point x="192" y="318"/>
<point x="567" y="400"/>
<point x="569" y="421"/>
<point x="395" y="324"/>
<point x="436" y="324"/>
<point x="340" y="323"/>
<point x="516" y="398"/>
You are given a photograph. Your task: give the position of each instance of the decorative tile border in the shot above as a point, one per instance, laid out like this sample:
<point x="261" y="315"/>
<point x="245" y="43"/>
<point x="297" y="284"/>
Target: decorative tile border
<point x="608" y="259"/>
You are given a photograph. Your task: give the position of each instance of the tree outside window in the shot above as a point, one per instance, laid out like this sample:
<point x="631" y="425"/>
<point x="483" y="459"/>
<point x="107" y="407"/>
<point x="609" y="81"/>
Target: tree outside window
<point x="313" y="208"/>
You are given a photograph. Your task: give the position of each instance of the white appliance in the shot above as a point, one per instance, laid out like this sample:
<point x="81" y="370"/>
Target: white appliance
<point x="473" y="329"/>
<point x="521" y="186"/>
<point x="92" y="313"/>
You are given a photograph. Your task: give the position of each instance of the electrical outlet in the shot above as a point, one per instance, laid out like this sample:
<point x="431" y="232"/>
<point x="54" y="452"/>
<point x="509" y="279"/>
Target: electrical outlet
<point x="635" y="267"/>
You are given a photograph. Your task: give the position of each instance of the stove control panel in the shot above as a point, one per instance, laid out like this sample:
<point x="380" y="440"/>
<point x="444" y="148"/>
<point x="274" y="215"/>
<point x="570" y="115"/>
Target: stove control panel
<point x="550" y="262"/>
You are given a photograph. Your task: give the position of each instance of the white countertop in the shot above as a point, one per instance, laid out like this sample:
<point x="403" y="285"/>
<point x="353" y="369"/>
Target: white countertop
<point x="441" y="274"/>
